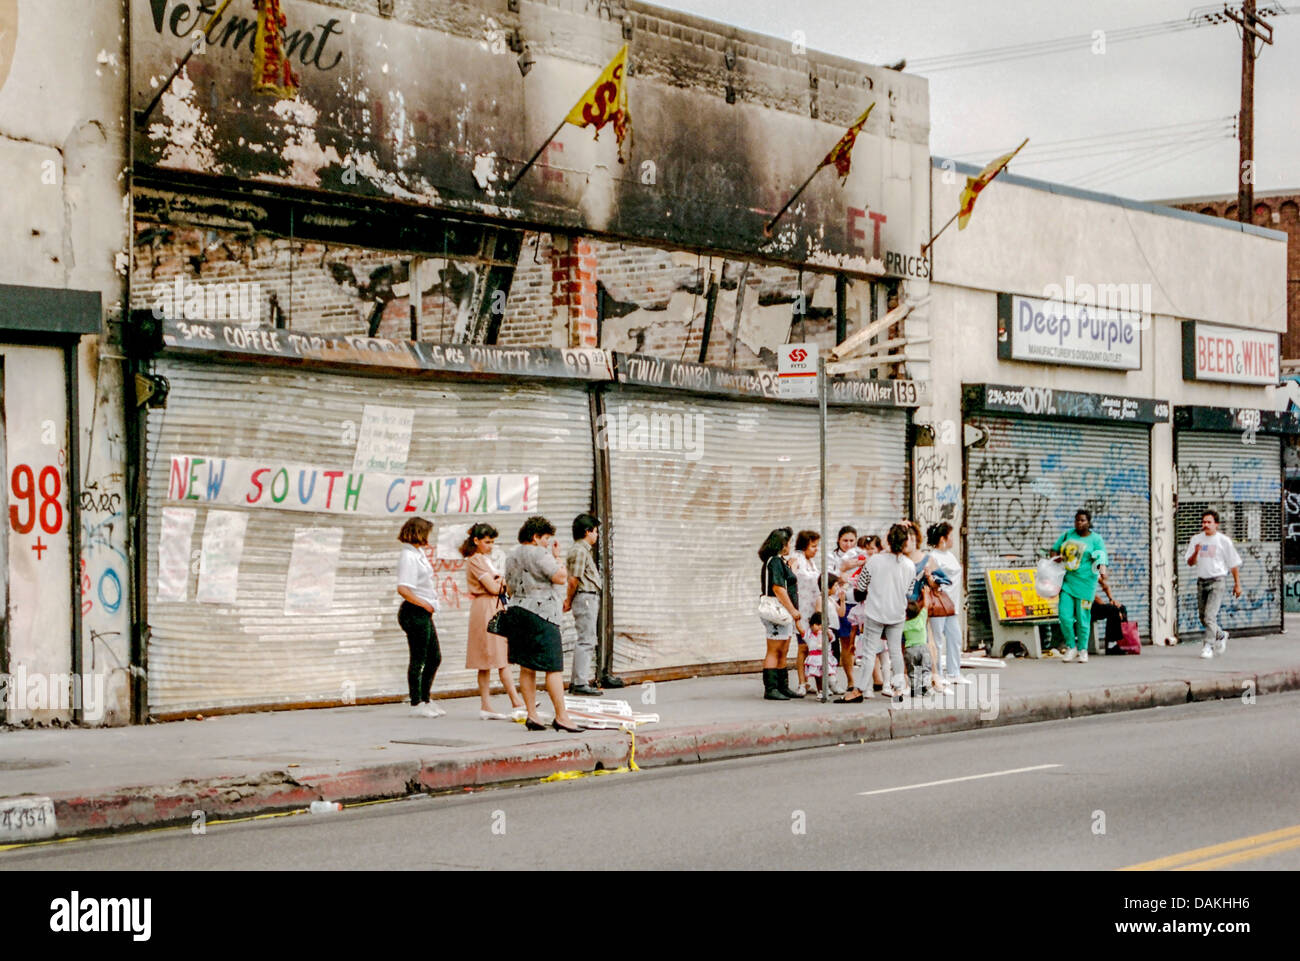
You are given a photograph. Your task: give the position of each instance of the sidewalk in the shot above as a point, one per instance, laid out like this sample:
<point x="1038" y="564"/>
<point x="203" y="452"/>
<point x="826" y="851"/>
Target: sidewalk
<point x="236" y="765"/>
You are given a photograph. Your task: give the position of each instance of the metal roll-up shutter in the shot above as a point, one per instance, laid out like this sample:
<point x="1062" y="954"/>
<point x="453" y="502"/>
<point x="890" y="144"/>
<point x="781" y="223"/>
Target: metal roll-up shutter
<point x="686" y="524"/>
<point x="204" y="655"/>
<point x="1024" y="486"/>
<point x="1243" y="482"/>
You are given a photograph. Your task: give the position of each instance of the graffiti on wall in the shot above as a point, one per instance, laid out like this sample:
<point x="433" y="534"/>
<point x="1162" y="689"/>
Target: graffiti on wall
<point x="1291" y="592"/>
<point x="103" y="565"/>
<point x="1161" y="582"/>
<point x="937" y="495"/>
<point x="1020" y="499"/>
<point x="1291" y="519"/>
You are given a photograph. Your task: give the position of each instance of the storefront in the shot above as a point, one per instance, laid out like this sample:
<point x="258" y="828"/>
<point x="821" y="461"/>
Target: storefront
<point x="43" y="579"/>
<point x="1042" y="455"/>
<point x="1231" y="461"/>
<point x="279" y="473"/>
<point x="703" y="463"/>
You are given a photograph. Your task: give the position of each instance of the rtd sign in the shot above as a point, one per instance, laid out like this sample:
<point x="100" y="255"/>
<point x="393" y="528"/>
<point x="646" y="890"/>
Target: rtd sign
<point x="1230" y="354"/>
<point x="796" y="370"/>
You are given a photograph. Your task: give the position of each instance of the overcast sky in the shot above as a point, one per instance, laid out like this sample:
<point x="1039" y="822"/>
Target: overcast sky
<point x="1148" y="85"/>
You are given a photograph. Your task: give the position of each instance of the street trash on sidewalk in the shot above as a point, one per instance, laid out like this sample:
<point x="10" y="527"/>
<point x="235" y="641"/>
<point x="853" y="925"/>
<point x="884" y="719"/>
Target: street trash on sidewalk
<point x="326" y="807"/>
<point x="600" y="714"/>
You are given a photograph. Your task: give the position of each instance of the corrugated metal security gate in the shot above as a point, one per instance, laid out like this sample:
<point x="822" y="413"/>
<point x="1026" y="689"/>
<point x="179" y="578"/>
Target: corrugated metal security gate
<point x="686" y="523"/>
<point x="1024" y="486"/>
<point x="1243" y="482"/>
<point x="252" y="652"/>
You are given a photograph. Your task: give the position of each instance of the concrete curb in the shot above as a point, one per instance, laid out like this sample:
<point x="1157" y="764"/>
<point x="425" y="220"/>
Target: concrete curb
<point x="278" y="791"/>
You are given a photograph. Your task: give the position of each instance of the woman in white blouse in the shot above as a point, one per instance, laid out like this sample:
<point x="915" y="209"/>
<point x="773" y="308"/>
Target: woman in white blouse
<point x="419" y="603"/>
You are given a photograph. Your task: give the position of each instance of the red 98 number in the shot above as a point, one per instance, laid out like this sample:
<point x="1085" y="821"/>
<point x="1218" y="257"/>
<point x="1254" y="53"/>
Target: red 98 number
<point x="26" y="486"/>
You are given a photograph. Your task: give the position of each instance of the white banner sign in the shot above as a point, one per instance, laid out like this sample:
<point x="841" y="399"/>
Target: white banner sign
<point x="1231" y="354"/>
<point x="234" y="482"/>
<point x="1053" y="332"/>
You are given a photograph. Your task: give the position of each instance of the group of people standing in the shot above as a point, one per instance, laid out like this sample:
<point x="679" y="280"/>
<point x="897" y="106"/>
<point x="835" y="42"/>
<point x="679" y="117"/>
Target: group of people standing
<point x="891" y="612"/>
<point x="514" y="616"/>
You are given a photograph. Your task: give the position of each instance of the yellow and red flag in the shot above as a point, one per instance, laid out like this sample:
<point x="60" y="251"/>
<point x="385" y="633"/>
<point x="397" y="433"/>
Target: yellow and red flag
<point x="272" y="73"/>
<point x="976" y="184"/>
<point x="841" y="155"/>
<point x="606" y="102"/>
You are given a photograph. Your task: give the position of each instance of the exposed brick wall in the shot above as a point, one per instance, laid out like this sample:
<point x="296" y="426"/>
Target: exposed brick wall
<point x="573" y="278"/>
<point x="655" y="299"/>
<point x="1287" y="211"/>
<point x="530" y="310"/>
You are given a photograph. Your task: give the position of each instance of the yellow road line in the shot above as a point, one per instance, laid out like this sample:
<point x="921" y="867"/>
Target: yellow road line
<point x="1215" y="850"/>
<point x="1240" y="856"/>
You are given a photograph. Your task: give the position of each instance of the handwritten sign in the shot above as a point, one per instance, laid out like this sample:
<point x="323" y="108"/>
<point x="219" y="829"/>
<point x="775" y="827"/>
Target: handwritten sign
<point x="235" y="482"/>
<point x="223" y="546"/>
<point x="174" y="553"/>
<point x="385" y="438"/>
<point x="313" y="565"/>
<point x="1012" y="594"/>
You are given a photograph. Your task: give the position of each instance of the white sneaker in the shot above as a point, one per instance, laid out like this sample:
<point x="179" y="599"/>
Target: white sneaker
<point x="1221" y="644"/>
<point x="961" y="679"/>
<point x="492" y="716"/>
<point x="1068" y="655"/>
<point x="801" y="691"/>
<point x="1083" y="657"/>
<point x="425" y="710"/>
<point x="435" y="710"/>
<point x="1207" y="650"/>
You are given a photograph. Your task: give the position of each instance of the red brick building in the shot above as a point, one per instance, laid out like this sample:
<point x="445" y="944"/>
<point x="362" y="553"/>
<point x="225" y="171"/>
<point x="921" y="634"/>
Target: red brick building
<point x="1278" y="210"/>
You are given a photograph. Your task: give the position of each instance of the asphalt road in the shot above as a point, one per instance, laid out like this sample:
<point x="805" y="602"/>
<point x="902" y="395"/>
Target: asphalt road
<point x="1093" y="793"/>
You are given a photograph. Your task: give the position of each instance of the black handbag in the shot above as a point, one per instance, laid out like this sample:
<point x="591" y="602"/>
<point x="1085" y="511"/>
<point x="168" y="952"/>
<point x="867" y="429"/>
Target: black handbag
<point x="500" y="623"/>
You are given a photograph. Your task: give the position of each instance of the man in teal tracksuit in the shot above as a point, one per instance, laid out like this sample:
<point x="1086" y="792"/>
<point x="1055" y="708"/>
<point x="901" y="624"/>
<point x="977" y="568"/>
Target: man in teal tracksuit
<point x="1084" y="556"/>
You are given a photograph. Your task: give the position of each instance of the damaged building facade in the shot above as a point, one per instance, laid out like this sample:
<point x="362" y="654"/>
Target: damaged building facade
<point x="246" y="337"/>
<point x="345" y="314"/>
<point x="65" y="639"/>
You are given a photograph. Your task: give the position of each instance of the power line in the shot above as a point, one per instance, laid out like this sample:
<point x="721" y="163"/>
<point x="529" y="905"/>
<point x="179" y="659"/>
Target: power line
<point x="1049" y="145"/>
<point x="1140" y="165"/>
<point x="1199" y="17"/>
<point x="1223" y="132"/>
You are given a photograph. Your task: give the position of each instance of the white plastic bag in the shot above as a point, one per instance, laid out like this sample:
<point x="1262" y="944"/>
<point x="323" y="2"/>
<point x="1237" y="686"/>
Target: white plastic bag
<point x="1048" y="577"/>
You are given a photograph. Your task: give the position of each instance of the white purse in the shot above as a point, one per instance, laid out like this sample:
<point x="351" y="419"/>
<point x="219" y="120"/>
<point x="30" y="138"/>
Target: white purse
<point x="770" y="609"/>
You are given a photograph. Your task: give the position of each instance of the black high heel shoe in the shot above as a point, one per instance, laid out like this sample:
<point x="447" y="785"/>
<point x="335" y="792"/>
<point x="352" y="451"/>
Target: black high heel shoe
<point x="560" y="727"/>
<point x="533" y="725"/>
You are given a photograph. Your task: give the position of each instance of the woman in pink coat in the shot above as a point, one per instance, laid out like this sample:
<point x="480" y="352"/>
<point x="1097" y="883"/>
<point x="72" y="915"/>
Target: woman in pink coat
<point x="486" y="652"/>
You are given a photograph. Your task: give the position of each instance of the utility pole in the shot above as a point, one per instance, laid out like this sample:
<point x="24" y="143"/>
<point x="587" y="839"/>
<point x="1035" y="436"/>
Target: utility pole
<point x="1252" y="26"/>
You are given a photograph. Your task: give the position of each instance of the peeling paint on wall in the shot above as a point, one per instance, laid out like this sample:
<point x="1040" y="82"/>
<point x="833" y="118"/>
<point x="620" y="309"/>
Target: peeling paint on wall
<point x="374" y="121"/>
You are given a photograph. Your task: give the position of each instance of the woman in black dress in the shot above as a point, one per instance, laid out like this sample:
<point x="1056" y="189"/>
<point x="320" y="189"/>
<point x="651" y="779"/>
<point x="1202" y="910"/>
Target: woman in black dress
<point x="533" y="571"/>
<point x="778" y="582"/>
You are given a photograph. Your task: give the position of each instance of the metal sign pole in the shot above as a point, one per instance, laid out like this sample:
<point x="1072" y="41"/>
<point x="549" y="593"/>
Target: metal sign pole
<point x="825" y="550"/>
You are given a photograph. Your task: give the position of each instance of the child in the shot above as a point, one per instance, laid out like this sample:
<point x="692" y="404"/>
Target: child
<point x="812" y="664"/>
<point x="916" y="650"/>
<point x="870" y="545"/>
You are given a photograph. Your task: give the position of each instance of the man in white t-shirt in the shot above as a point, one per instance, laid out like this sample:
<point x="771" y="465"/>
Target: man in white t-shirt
<point x="1213" y="556"/>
